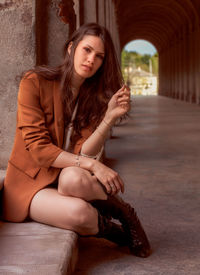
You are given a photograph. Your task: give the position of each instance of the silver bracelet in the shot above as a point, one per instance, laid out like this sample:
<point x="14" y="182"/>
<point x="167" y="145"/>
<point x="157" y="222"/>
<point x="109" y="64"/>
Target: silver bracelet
<point x="77" y="163"/>
<point x="107" y="123"/>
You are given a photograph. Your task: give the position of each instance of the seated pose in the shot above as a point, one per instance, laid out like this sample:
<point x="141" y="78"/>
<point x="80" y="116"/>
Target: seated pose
<point x="65" y="114"/>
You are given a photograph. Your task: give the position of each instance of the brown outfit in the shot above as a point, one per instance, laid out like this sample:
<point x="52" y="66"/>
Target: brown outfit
<point x="38" y="142"/>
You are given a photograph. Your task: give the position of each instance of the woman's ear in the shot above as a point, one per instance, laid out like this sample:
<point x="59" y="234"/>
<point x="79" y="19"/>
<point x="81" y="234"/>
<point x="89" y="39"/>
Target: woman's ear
<point x="69" y="47"/>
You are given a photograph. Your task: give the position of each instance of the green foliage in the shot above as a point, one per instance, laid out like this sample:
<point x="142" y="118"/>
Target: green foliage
<point x="154" y="60"/>
<point x="134" y="60"/>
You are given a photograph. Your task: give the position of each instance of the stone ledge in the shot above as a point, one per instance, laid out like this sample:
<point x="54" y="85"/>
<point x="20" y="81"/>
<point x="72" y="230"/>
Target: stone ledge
<point x="34" y="248"/>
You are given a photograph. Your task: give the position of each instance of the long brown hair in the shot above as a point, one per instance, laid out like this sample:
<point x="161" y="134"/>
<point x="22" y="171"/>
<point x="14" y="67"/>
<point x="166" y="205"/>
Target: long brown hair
<point x="95" y="91"/>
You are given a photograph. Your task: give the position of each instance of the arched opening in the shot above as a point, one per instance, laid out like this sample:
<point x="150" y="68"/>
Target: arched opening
<point x="139" y="62"/>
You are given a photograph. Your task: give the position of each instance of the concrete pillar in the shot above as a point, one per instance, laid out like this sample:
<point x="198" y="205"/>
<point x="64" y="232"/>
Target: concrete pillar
<point x="162" y="86"/>
<point x="178" y="70"/>
<point x="17" y="44"/>
<point x="193" y="61"/>
<point x="180" y="66"/>
<point x="101" y="12"/>
<point x="163" y="74"/>
<point x="108" y="18"/>
<point x="57" y="34"/>
<point x="185" y="59"/>
<point x="114" y="30"/>
<point x="197" y="65"/>
<point x="172" y="61"/>
<point x="90" y="11"/>
<point x="175" y="92"/>
<point x="77" y="12"/>
<point x="190" y="67"/>
<point x="166" y="72"/>
<point x="179" y="50"/>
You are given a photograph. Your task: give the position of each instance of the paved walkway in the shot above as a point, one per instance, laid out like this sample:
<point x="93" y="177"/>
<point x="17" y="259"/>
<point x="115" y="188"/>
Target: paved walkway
<point x="157" y="153"/>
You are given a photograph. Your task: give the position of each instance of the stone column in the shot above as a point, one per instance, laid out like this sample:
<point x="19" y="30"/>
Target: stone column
<point x="175" y="91"/>
<point x="194" y="58"/>
<point x="172" y="70"/>
<point x="101" y="12"/>
<point x="169" y="71"/>
<point x="185" y="67"/>
<point x="17" y="44"/>
<point x="58" y="30"/>
<point x="191" y="58"/>
<point x="197" y="65"/>
<point x="90" y="11"/>
<point x="180" y="65"/>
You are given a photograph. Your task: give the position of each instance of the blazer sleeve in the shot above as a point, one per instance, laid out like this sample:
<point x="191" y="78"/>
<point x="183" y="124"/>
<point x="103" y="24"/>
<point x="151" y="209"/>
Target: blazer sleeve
<point x="31" y="121"/>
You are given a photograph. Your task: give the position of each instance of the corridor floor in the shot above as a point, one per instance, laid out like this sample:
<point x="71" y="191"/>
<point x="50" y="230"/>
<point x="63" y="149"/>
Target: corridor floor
<point x="157" y="153"/>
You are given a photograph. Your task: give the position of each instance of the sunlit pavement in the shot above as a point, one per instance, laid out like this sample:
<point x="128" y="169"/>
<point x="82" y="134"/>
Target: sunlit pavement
<point x="157" y="153"/>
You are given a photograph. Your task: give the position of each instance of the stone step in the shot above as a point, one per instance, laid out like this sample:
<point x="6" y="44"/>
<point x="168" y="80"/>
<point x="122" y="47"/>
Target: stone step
<point x="34" y="248"/>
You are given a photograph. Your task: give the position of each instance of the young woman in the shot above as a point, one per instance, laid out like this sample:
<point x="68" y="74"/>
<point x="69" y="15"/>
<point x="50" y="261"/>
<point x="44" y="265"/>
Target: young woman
<point x="65" y="114"/>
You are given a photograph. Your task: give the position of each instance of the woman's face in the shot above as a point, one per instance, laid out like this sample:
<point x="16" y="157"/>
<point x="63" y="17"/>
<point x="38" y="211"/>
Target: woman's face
<point x="88" y="56"/>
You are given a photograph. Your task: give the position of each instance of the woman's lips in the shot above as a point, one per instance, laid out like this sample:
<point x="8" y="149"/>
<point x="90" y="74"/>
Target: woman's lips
<point x="87" y="68"/>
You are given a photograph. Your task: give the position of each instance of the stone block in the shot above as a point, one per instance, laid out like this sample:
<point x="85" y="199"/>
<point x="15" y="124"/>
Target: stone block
<point x="36" y="248"/>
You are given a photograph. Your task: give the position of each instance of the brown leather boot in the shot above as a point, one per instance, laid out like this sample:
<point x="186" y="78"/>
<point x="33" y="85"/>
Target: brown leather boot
<point x="118" y="209"/>
<point x="111" y="231"/>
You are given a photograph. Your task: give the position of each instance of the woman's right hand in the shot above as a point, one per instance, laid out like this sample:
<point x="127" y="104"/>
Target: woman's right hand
<point x="108" y="178"/>
<point x="118" y="105"/>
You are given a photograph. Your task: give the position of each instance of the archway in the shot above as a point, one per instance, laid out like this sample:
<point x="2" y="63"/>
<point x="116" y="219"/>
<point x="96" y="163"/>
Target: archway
<point x="139" y="62"/>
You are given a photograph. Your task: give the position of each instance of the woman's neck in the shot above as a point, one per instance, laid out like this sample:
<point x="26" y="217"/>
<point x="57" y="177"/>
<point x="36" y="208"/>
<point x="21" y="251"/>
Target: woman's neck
<point x="77" y="81"/>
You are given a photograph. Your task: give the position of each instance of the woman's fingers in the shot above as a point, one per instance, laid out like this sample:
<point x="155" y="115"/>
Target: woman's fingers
<point x="116" y="184"/>
<point x="114" y="189"/>
<point x="113" y="185"/>
<point x="109" y="178"/>
<point x="108" y="187"/>
<point x="123" y="98"/>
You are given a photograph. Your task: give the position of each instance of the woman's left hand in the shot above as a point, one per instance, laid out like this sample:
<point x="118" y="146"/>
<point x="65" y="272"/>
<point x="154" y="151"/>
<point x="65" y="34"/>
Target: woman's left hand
<point x="119" y="104"/>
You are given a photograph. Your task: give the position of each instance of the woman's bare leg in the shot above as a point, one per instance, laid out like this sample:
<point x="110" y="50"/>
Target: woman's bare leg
<point x="50" y="207"/>
<point x="79" y="183"/>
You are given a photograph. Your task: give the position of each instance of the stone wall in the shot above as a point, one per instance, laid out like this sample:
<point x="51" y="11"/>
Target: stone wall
<point x="51" y="32"/>
<point x="17" y="44"/>
<point x="31" y="33"/>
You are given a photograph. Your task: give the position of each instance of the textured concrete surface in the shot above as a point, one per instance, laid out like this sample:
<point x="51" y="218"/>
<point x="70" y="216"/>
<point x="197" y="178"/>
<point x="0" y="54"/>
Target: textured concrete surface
<point x="157" y="153"/>
<point x="17" y="44"/>
<point x="30" y="32"/>
<point x="33" y="248"/>
<point x="51" y="33"/>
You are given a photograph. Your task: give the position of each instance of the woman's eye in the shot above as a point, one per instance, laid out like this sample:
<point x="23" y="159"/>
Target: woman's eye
<point x="87" y="50"/>
<point x="100" y="56"/>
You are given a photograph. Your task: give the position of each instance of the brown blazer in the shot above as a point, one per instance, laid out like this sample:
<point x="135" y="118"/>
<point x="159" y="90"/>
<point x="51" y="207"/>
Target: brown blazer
<point x="38" y="142"/>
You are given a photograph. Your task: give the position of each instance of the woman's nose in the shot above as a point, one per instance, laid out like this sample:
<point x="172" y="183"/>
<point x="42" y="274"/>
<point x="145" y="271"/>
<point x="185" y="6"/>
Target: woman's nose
<point x="91" y="58"/>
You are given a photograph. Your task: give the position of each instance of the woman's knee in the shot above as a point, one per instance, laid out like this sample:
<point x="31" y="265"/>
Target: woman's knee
<point x="85" y="218"/>
<point x="71" y="179"/>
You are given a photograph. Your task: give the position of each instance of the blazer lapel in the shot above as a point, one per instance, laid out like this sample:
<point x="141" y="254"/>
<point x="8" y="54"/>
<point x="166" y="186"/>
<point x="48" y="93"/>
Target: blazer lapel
<point x="58" y="113"/>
